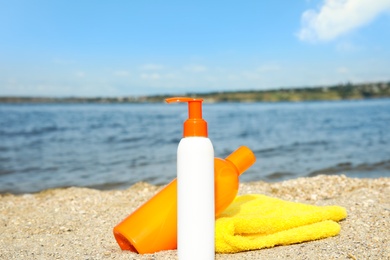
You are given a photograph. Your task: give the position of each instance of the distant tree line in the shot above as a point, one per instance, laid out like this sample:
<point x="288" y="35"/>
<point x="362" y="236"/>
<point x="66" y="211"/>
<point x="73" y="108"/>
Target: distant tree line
<point x="337" y="92"/>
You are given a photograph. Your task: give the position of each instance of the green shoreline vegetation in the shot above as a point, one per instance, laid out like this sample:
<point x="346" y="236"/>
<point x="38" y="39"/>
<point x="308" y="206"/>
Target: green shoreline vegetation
<point x="346" y="91"/>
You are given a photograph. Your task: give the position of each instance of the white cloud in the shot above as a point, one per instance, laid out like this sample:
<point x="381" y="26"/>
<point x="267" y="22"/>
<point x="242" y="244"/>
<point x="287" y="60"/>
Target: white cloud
<point x="342" y="70"/>
<point x="268" y="68"/>
<point x="196" y="68"/>
<point x="80" y="74"/>
<point x="150" y="76"/>
<point x="170" y="76"/>
<point x="338" y="17"/>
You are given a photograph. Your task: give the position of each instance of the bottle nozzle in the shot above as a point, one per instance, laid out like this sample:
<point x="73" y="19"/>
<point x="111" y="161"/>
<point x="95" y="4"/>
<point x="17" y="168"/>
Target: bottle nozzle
<point x="242" y="158"/>
<point x="195" y="125"/>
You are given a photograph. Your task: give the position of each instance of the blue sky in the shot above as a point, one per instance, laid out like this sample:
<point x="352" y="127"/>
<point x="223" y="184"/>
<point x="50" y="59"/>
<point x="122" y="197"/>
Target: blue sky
<point x="131" y="48"/>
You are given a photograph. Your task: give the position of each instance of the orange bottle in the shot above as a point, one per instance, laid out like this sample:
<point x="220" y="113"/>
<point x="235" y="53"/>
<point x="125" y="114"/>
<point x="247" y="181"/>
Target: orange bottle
<point x="153" y="226"/>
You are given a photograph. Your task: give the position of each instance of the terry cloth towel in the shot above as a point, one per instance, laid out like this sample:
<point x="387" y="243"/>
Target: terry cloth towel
<point x="257" y="221"/>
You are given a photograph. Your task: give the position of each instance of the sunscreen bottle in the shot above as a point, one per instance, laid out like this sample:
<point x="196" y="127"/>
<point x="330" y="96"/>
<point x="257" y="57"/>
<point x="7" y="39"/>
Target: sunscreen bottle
<point x="195" y="187"/>
<point x="153" y="226"/>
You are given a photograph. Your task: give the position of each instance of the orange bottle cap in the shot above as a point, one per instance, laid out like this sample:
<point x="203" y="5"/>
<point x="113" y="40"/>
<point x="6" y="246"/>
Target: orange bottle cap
<point x="242" y="158"/>
<point x="195" y="125"/>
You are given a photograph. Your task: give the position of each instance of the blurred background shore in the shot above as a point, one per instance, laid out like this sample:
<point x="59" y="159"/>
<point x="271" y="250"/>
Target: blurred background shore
<point x="347" y="91"/>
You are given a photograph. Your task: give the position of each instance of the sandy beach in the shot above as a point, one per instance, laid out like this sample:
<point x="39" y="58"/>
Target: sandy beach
<point x="76" y="223"/>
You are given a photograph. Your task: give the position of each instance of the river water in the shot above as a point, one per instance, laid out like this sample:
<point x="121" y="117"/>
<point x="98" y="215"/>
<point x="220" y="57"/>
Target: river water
<point x="112" y="146"/>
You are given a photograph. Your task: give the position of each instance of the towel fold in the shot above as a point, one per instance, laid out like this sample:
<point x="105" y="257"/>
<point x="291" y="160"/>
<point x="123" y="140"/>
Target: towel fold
<point x="258" y="221"/>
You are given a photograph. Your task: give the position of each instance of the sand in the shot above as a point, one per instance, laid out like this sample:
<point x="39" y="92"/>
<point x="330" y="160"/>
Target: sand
<point x="76" y="223"/>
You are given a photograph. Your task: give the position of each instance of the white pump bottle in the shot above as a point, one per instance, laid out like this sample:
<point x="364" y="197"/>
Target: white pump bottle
<point x="195" y="187"/>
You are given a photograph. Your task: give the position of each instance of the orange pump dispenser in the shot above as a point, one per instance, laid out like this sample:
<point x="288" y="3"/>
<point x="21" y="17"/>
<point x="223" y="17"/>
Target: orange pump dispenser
<point x="195" y="125"/>
<point x="153" y="226"/>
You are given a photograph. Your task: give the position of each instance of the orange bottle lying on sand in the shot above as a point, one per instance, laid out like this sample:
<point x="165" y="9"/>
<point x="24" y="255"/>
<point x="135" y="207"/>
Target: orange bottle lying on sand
<point x="153" y="226"/>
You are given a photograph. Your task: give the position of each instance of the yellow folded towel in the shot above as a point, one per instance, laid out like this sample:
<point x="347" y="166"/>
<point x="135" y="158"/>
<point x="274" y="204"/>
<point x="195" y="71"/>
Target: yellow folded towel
<point x="257" y="221"/>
